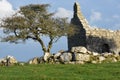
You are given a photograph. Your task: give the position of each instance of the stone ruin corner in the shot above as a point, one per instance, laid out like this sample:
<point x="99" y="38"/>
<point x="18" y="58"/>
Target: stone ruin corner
<point x="94" y="39"/>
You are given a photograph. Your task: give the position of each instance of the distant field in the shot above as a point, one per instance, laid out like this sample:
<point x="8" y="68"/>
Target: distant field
<point x="106" y="71"/>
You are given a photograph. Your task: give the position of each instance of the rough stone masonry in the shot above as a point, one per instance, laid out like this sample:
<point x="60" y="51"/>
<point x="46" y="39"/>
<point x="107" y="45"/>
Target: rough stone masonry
<point x="94" y="39"/>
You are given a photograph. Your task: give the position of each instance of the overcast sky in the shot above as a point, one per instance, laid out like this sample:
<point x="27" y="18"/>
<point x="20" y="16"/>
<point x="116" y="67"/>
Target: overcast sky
<point x="100" y="13"/>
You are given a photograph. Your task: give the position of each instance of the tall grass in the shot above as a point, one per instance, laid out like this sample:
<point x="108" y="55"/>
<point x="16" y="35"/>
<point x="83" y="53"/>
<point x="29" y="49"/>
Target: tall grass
<point x="105" y="71"/>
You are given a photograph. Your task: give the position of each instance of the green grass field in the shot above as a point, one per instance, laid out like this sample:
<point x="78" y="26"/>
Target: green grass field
<point x="105" y="71"/>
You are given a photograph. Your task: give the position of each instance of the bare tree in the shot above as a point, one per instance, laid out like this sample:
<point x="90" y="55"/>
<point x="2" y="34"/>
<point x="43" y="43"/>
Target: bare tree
<point x="33" y="22"/>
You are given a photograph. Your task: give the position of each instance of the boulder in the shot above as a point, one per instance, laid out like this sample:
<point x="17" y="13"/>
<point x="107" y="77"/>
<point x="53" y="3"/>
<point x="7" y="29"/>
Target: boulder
<point x="114" y="60"/>
<point x="11" y="59"/>
<point x="8" y="60"/>
<point x="110" y="59"/>
<point x="66" y="57"/>
<point x="72" y="62"/>
<point x="82" y="57"/>
<point x="94" y="62"/>
<point x="95" y="54"/>
<point x="116" y="55"/>
<point x="79" y="49"/>
<point x="107" y="54"/>
<point x="80" y="62"/>
<point x="3" y="62"/>
<point x="57" y="55"/>
<point x="101" y="58"/>
<point x="89" y="52"/>
<point x="46" y="56"/>
<point x="34" y="61"/>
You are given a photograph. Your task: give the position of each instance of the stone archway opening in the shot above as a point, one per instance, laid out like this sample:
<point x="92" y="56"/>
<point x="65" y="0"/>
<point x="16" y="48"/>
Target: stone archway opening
<point x="105" y="48"/>
<point x="119" y="53"/>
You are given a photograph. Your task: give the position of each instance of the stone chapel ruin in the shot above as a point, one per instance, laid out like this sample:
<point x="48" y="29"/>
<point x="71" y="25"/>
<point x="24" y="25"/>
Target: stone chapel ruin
<point x="94" y="39"/>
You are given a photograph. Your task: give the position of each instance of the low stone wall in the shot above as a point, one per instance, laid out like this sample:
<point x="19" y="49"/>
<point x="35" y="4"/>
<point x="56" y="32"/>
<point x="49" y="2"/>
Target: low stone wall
<point x="82" y="55"/>
<point x="78" y="55"/>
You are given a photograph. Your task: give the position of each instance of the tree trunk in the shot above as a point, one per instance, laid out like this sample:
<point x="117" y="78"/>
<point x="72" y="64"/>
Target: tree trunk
<point x="47" y="54"/>
<point x="46" y="50"/>
<point x="50" y="45"/>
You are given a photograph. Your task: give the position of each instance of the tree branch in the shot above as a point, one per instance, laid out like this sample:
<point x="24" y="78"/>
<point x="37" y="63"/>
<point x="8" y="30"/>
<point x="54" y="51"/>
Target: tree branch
<point x="31" y="37"/>
<point x="42" y="44"/>
<point x="15" y="33"/>
<point x="50" y="44"/>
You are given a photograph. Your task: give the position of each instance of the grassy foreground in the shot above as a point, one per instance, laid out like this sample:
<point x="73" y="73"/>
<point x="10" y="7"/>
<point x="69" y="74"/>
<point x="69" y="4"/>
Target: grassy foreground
<point x="105" y="71"/>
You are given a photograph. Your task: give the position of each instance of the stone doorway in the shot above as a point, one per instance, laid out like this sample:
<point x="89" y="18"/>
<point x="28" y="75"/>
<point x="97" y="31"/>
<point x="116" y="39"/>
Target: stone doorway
<point x="105" y="48"/>
<point x="119" y="53"/>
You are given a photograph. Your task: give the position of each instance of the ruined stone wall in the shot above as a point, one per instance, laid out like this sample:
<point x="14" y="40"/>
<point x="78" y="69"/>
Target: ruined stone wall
<point x="97" y="39"/>
<point x="80" y="38"/>
<point x="94" y="39"/>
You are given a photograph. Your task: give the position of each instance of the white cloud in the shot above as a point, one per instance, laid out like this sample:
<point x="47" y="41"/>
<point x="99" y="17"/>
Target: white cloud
<point x="95" y="16"/>
<point x="5" y="9"/>
<point x="64" y="13"/>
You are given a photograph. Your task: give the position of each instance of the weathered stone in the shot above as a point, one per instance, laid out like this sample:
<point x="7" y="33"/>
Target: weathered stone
<point x="107" y="54"/>
<point x="110" y="59"/>
<point x="94" y="62"/>
<point x="34" y="61"/>
<point x="101" y="58"/>
<point x="82" y="57"/>
<point x="66" y="57"/>
<point x="80" y="62"/>
<point x="3" y="62"/>
<point x="116" y="55"/>
<point x="118" y="58"/>
<point x="8" y="60"/>
<point x="72" y="62"/>
<point x="57" y="55"/>
<point x="41" y="59"/>
<point x="89" y="52"/>
<point x="94" y="58"/>
<point x="79" y="49"/>
<point x="46" y="56"/>
<point x="11" y="59"/>
<point x="95" y="54"/>
<point x="114" y="60"/>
